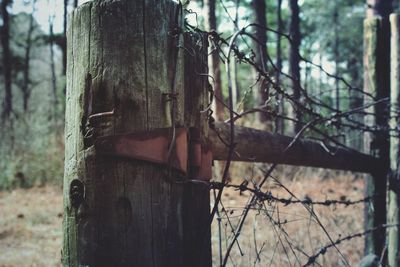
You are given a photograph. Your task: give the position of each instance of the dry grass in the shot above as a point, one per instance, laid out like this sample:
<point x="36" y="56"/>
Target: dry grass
<point x="298" y="233"/>
<point x="30" y="227"/>
<point x="30" y="222"/>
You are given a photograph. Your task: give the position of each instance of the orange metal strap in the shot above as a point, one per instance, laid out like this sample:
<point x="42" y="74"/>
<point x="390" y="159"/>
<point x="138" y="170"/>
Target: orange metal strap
<point x="188" y="155"/>
<point x="200" y="157"/>
<point x="148" y="146"/>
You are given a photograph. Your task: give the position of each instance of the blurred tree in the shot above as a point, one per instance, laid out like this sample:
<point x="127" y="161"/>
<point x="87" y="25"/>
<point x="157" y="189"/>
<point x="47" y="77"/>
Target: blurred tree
<point x="52" y="63"/>
<point x="294" y="58"/>
<point x="30" y="138"/>
<point x="235" y="83"/>
<point x="211" y="25"/>
<point x="279" y="107"/>
<point x="7" y="64"/>
<point x="64" y="39"/>
<point x="26" y="90"/>
<point x="336" y="53"/>
<point x="261" y="58"/>
<point x="341" y="48"/>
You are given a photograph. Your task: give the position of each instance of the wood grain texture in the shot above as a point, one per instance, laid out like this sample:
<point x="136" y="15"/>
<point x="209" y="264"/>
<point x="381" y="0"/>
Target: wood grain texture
<point x="394" y="178"/>
<point x="124" y="57"/>
<point x="197" y="196"/>
<point x="376" y="83"/>
<point x="263" y="146"/>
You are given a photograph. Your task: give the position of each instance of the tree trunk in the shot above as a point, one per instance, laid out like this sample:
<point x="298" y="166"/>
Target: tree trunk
<point x="381" y="8"/>
<point x="7" y="64"/>
<point x="394" y="177"/>
<point x="320" y="74"/>
<point x="53" y="67"/>
<point x="336" y="24"/>
<point x="279" y="125"/>
<point x="294" y="60"/>
<point x="307" y="75"/>
<point x="356" y="101"/>
<point x="64" y="41"/>
<point x="377" y="83"/>
<point x="260" y="50"/>
<point x="336" y="54"/>
<point x="235" y="83"/>
<point x="211" y="25"/>
<point x="26" y="91"/>
<point x="127" y="74"/>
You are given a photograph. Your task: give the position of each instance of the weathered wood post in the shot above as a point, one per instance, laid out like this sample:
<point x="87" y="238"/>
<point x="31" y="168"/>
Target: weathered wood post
<point x="377" y="84"/>
<point x="133" y="96"/>
<point x="394" y="178"/>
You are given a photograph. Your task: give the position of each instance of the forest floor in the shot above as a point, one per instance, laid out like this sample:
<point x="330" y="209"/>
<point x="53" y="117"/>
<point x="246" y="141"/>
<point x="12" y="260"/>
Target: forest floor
<point x="30" y="224"/>
<point x="30" y="227"/>
<point x="287" y="235"/>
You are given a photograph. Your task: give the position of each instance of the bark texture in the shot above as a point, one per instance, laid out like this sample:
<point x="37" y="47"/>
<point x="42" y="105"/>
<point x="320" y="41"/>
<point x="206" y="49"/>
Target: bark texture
<point x="123" y="57"/>
<point x="394" y="177"/>
<point x="376" y="82"/>
<point x="262" y="146"/>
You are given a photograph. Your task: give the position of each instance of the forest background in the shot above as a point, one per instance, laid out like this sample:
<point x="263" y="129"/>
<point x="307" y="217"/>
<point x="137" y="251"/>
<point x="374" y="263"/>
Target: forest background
<point x="32" y="80"/>
<point x="329" y="36"/>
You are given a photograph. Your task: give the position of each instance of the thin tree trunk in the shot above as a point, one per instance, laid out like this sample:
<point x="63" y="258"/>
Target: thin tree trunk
<point x="235" y="83"/>
<point x="75" y="3"/>
<point x="377" y="83"/>
<point x="336" y="54"/>
<point x="26" y="91"/>
<point x="64" y="41"/>
<point x="260" y="50"/>
<point x="307" y="72"/>
<point x="211" y="25"/>
<point x="7" y="64"/>
<point x="394" y="177"/>
<point x="52" y="64"/>
<point x="320" y="74"/>
<point x="279" y="126"/>
<point x="294" y="59"/>
<point x="356" y="101"/>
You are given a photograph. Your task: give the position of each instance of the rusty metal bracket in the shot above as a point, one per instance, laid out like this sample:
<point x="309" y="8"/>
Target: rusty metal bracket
<point x="200" y="157"/>
<point x="148" y="146"/>
<point x="188" y="156"/>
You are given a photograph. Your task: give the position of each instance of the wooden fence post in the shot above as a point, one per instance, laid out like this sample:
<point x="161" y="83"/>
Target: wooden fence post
<point x="394" y="184"/>
<point x="377" y="84"/>
<point x="126" y="74"/>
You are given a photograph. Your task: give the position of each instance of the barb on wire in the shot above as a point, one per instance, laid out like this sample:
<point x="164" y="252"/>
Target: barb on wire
<point x="312" y="259"/>
<point x="322" y="121"/>
<point x="269" y="197"/>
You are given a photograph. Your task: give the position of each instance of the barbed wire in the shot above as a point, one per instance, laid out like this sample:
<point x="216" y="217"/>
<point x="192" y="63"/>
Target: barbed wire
<point x="269" y="197"/>
<point x="315" y="123"/>
<point x="323" y="250"/>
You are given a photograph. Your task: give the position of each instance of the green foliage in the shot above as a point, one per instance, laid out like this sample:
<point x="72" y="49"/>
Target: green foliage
<point x="31" y="168"/>
<point x="32" y="142"/>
